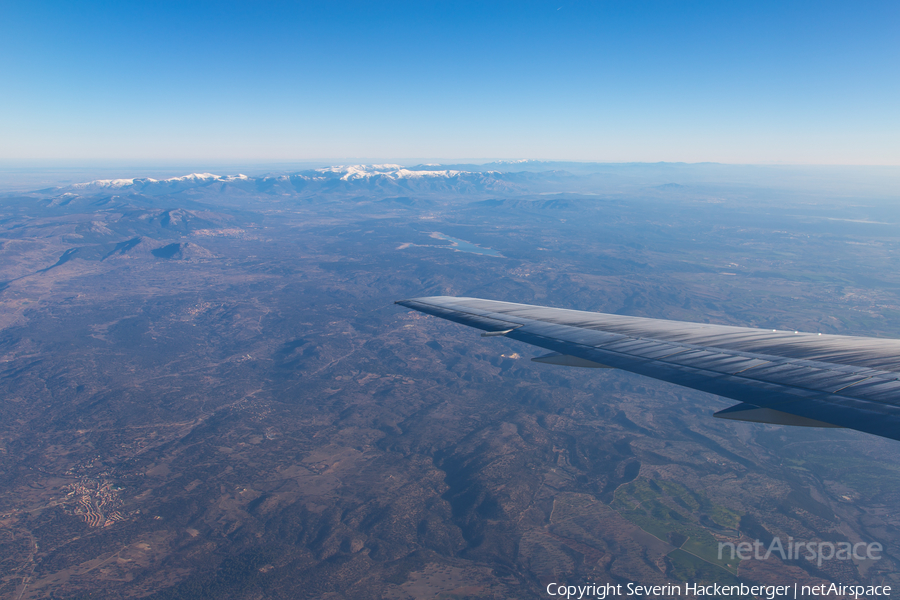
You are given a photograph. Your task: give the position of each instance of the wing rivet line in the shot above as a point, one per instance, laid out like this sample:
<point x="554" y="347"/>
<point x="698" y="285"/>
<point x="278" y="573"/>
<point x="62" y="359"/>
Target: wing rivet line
<point x="852" y="384"/>
<point x="752" y="367"/>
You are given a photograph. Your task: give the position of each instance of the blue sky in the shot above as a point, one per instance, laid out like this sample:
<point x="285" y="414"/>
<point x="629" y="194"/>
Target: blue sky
<point x="736" y="82"/>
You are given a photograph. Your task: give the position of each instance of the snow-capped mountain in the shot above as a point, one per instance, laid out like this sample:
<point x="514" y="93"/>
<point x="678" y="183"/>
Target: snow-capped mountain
<point x="342" y="173"/>
<point x="395" y="172"/>
<point x="186" y="180"/>
<point x="377" y="179"/>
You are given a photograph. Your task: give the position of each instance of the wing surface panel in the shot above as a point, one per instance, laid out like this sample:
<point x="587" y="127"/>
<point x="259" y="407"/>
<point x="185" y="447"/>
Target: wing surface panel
<point x="875" y="389"/>
<point x="721" y="362"/>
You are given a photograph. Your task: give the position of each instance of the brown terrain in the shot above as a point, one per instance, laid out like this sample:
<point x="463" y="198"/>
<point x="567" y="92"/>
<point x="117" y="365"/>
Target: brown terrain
<point x="214" y="396"/>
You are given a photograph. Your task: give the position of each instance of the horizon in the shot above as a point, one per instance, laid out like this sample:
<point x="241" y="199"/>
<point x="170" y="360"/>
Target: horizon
<point x="859" y="180"/>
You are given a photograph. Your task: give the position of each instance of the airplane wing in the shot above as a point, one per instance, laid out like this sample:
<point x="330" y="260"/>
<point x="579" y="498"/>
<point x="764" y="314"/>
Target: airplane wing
<point x="780" y="377"/>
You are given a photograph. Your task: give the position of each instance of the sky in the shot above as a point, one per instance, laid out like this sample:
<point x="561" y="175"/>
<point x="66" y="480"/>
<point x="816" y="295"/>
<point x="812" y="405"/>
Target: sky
<point x="787" y="82"/>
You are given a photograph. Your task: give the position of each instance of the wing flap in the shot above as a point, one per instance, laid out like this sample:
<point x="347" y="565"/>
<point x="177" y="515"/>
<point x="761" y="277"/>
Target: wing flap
<point x="755" y="414"/>
<point x="567" y="360"/>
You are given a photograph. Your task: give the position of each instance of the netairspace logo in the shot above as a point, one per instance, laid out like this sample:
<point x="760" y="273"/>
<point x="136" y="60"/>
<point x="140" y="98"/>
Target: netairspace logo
<point x="812" y="551"/>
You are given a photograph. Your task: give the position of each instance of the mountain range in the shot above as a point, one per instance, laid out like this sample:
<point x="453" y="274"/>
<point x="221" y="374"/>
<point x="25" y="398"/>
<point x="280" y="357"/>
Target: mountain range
<point x="474" y="181"/>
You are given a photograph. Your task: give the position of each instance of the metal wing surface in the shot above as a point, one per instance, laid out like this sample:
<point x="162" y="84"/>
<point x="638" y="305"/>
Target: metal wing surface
<point x="780" y="377"/>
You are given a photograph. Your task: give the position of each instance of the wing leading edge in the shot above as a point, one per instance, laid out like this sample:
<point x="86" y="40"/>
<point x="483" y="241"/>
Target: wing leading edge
<point x="780" y="377"/>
